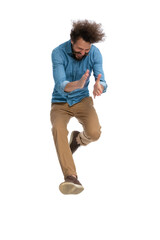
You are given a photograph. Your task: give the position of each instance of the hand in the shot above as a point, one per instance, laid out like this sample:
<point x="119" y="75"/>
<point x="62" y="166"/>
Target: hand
<point x="98" y="88"/>
<point x="71" y="86"/>
<point x="83" y="79"/>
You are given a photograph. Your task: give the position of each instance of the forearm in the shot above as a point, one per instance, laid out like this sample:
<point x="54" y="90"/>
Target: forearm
<point x="71" y="86"/>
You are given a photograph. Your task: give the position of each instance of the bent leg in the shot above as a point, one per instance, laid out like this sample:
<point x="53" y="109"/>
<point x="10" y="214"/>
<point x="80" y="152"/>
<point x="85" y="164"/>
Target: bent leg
<point x="87" y="116"/>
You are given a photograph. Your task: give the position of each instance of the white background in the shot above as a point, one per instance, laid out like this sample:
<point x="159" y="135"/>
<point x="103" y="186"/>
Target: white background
<point x="120" y="172"/>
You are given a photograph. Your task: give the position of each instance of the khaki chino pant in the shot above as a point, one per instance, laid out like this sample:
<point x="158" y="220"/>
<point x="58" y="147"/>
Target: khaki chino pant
<point x="60" y="115"/>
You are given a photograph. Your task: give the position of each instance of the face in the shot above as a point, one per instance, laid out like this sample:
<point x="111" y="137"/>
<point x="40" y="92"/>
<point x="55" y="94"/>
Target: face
<point x="80" y="48"/>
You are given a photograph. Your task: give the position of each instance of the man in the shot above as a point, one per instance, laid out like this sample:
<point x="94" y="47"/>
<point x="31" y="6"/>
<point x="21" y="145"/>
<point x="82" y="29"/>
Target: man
<point x="73" y="63"/>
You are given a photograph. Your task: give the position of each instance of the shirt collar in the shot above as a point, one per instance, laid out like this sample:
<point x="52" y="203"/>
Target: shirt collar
<point x="69" y="48"/>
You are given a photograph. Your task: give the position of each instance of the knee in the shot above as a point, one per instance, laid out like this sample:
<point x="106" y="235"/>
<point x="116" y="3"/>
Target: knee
<point x="94" y="134"/>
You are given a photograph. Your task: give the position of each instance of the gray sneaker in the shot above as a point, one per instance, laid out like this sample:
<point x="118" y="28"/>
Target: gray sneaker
<point x="71" y="186"/>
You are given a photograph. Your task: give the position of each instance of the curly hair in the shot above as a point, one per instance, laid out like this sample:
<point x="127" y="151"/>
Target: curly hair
<point x="89" y="31"/>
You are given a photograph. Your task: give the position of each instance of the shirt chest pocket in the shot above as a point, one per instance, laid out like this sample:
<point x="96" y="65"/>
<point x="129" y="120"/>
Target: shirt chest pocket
<point x="74" y="74"/>
<point x="75" y="71"/>
<point x="69" y="73"/>
<point x="78" y="72"/>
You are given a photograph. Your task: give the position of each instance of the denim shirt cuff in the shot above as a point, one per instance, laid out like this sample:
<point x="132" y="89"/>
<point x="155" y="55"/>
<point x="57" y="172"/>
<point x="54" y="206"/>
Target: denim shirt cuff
<point x="104" y="85"/>
<point x="63" y="85"/>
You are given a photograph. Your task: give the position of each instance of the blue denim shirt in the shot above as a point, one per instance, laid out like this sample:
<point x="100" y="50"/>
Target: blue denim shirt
<point x="67" y="69"/>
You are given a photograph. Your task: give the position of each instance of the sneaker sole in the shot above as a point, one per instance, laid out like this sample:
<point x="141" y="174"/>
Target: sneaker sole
<point x="70" y="188"/>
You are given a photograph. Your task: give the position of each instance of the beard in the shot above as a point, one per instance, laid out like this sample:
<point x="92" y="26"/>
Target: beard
<point x="79" y="58"/>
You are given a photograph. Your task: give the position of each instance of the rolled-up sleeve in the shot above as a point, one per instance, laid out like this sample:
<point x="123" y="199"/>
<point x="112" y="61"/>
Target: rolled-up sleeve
<point x="59" y="74"/>
<point x="98" y="69"/>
